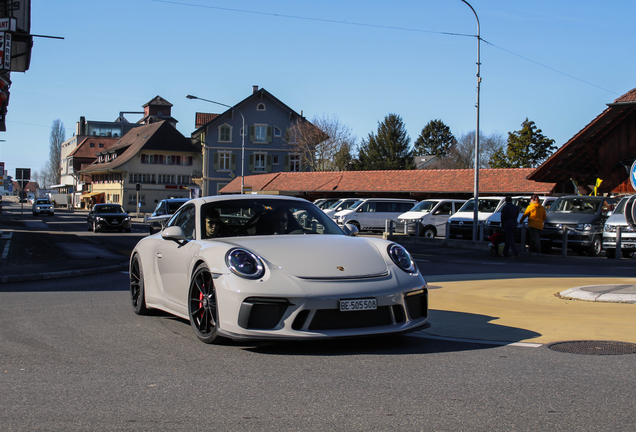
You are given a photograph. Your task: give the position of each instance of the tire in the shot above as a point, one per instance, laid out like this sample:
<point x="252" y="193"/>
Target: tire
<point x="90" y="228"/>
<point x="595" y="248"/>
<point x="202" y="306"/>
<point x="610" y="253"/>
<point x="137" y="288"/>
<point x="428" y="232"/>
<point x="95" y="227"/>
<point x="128" y="230"/>
<point x="151" y="229"/>
<point x="627" y="253"/>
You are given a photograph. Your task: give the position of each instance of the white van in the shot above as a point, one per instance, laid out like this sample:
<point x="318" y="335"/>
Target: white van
<point x="461" y="223"/>
<point x="432" y="215"/>
<point x="343" y="204"/>
<point x="371" y="214"/>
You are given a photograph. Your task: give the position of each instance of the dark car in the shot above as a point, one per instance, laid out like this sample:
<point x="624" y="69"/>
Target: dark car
<point x="163" y="212"/>
<point x="108" y="217"/>
<point x="583" y="217"/>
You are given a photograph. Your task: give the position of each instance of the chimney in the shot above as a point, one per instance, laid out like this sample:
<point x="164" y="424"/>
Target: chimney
<point x="254" y="89"/>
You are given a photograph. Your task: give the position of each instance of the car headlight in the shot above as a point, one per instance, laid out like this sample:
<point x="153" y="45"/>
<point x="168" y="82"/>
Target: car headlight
<point x="583" y="227"/>
<point x="488" y="223"/>
<point x="99" y="218"/>
<point x="244" y="263"/>
<point x="401" y="257"/>
<point x="127" y="218"/>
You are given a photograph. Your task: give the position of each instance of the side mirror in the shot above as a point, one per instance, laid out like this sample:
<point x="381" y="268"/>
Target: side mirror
<point x="175" y="234"/>
<point x="350" y="230"/>
<point x="359" y="210"/>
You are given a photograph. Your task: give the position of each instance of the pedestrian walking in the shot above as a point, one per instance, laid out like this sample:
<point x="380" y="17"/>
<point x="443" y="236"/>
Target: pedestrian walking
<point x="509" y="215"/>
<point x="536" y="214"/>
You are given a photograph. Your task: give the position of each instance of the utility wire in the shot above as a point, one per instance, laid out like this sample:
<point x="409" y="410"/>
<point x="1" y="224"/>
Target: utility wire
<point x="351" y="23"/>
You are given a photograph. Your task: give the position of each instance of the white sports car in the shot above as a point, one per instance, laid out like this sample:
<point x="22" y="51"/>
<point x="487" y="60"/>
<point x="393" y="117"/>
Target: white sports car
<point x="271" y="267"/>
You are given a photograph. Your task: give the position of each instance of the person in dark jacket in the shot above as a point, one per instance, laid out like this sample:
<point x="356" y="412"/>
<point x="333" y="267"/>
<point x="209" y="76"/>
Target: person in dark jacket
<point x="509" y="215"/>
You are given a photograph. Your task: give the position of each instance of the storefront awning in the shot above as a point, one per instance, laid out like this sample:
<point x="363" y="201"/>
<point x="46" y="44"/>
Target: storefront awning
<point x="90" y="194"/>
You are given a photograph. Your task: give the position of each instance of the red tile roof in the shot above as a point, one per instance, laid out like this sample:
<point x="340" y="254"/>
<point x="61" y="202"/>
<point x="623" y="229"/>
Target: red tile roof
<point x="203" y="118"/>
<point x="491" y="181"/>
<point x="630" y="96"/>
<point x="84" y="149"/>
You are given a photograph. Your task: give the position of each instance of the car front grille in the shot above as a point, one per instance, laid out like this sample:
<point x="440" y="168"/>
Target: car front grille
<point x="334" y="319"/>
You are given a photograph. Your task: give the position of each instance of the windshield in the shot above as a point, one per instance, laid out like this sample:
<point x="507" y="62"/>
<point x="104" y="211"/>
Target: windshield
<point x="173" y="206"/>
<point x="521" y="202"/>
<point x="581" y="205"/>
<point x="424" y="206"/>
<point x="256" y="217"/>
<point x="109" y="209"/>
<point x="42" y="201"/>
<point x="486" y="205"/>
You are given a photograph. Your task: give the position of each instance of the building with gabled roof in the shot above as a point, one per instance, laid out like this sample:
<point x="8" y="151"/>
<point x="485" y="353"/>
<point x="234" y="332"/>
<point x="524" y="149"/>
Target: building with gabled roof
<point x="229" y="152"/>
<point x="417" y="184"/>
<point x="604" y="149"/>
<point x="156" y="156"/>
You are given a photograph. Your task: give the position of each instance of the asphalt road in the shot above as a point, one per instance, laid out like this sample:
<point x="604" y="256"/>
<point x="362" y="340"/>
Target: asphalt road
<point x="73" y="356"/>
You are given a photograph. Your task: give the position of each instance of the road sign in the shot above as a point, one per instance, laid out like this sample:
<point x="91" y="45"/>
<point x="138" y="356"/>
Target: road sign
<point x="22" y="176"/>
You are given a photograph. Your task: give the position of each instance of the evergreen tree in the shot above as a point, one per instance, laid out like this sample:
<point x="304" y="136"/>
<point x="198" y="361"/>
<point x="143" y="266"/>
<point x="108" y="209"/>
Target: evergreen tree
<point x="526" y="148"/>
<point x="435" y="139"/>
<point x="389" y="149"/>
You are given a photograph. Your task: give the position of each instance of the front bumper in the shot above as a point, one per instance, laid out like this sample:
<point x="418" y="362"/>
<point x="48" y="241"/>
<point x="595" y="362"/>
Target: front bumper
<point x="113" y="224"/>
<point x="402" y="306"/>
<point x="575" y="238"/>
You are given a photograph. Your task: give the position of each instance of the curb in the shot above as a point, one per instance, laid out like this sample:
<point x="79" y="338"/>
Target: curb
<point x="63" y="274"/>
<point x="591" y="296"/>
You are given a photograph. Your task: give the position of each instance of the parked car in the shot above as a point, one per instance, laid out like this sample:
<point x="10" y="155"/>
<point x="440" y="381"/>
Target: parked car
<point x="42" y="206"/>
<point x="370" y="214"/>
<point x="261" y="277"/>
<point x="583" y="216"/>
<point x="628" y="232"/>
<point x="325" y="203"/>
<point x="108" y="217"/>
<point x="340" y="205"/>
<point x="163" y="212"/>
<point x="522" y="202"/>
<point x="460" y="225"/>
<point x="432" y="215"/>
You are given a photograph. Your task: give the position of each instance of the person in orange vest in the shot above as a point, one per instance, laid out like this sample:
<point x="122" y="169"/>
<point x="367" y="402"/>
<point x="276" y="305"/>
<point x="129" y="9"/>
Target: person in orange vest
<point x="536" y="214"/>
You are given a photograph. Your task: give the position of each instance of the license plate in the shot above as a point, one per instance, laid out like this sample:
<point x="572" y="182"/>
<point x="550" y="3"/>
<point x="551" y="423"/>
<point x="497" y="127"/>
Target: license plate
<point x="358" y="305"/>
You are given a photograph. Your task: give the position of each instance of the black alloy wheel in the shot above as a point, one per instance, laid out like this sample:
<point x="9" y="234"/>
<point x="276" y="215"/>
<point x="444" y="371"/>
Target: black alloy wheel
<point x="595" y="248"/>
<point x="137" y="291"/>
<point x="202" y="306"/>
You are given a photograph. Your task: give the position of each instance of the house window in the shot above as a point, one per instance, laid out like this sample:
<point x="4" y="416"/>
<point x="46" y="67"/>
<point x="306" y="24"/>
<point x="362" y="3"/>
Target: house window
<point x="186" y="160"/>
<point x="277" y="132"/>
<point x="166" y="179"/>
<point x="225" y="133"/>
<point x="260" y="107"/>
<point x="275" y="159"/>
<point x="294" y="163"/>
<point x="184" y="179"/>
<point x="260" y="133"/>
<point x="91" y="145"/>
<point x="101" y="145"/>
<point x="225" y="161"/>
<point x="259" y="161"/>
<point x="169" y="160"/>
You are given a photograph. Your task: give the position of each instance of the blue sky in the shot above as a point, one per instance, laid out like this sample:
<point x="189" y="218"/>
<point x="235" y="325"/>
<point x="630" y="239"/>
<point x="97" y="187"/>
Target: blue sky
<point x="557" y="63"/>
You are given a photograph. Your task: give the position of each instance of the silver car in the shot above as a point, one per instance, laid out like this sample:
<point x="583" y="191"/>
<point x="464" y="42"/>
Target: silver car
<point x="618" y="221"/>
<point x="42" y="206"/>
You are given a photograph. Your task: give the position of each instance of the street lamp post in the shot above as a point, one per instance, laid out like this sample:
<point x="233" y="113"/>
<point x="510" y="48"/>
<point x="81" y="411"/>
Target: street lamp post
<point x="476" y="194"/>
<point x="242" y="138"/>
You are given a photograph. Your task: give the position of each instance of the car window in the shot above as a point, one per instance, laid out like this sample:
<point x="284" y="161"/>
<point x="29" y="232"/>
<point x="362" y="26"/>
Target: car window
<point x="577" y="205"/>
<point x="173" y="206"/>
<point x="368" y="206"/>
<point x="185" y="218"/>
<point x="445" y="208"/>
<point x="424" y="206"/>
<point x="42" y="201"/>
<point x="160" y="209"/>
<point x="249" y="217"/>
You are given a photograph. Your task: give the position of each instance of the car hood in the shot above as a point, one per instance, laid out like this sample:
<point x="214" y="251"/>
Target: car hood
<point x="317" y="256"/>
<point x="111" y="215"/>
<point x="571" y="218"/>
<point x="468" y="216"/>
<point x="413" y="215"/>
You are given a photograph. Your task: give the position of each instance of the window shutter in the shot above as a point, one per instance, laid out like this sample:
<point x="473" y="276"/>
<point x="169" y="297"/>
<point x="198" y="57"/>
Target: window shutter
<point x="268" y="163"/>
<point x="215" y="163"/>
<point x="269" y="134"/>
<point x="252" y="134"/>
<point x="286" y="164"/>
<point x="251" y="162"/>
